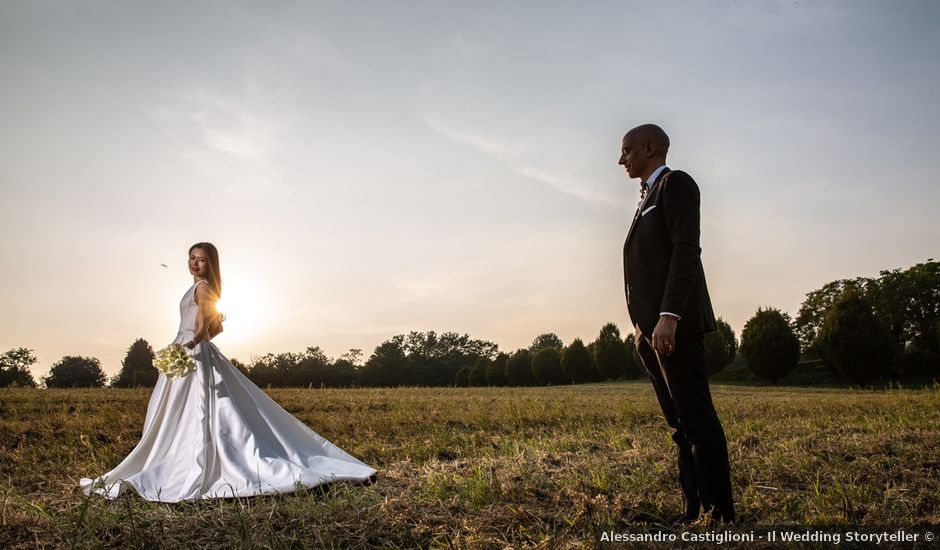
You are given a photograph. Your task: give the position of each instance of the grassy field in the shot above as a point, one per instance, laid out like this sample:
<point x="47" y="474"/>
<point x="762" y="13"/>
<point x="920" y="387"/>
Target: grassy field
<point x="484" y="467"/>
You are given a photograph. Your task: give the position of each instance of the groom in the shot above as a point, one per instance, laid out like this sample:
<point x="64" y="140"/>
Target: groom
<point x="669" y="305"/>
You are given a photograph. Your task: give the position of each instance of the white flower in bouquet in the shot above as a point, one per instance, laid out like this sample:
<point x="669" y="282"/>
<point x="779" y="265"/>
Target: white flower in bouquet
<point x="174" y="361"/>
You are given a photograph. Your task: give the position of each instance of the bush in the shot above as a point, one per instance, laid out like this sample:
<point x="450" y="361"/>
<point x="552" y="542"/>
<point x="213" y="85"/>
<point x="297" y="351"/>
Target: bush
<point x="76" y="372"/>
<point x="577" y="364"/>
<point x="519" y="369"/>
<point x="546" y="367"/>
<point x="769" y="345"/>
<point x="720" y="347"/>
<point x="855" y="341"/>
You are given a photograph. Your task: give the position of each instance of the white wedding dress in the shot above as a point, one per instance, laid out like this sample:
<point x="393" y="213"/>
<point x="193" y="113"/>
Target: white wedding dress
<point x="214" y="434"/>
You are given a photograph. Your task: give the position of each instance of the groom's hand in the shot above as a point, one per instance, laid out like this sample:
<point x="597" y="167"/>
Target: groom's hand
<point x="664" y="335"/>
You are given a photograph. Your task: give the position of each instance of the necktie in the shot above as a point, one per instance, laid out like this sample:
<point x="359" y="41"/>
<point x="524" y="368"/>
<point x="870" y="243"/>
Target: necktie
<point x="643" y="189"/>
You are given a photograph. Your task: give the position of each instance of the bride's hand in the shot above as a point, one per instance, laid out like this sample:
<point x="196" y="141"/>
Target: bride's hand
<point x="190" y="345"/>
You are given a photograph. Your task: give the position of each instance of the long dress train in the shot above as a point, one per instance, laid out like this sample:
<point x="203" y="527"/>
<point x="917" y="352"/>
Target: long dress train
<point x="214" y="434"/>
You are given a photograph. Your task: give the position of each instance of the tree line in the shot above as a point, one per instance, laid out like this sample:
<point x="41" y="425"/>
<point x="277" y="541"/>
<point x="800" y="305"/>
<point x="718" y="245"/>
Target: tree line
<point x="862" y="328"/>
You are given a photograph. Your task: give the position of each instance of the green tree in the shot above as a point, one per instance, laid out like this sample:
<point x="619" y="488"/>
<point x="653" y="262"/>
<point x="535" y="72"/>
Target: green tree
<point x="496" y="370"/>
<point x="477" y="375"/>
<point x="344" y="370"/>
<point x="818" y="303"/>
<point x="519" y="369"/>
<point x="610" y="353"/>
<point x="546" y="367"/>
<point x="388" y="366"/>
<point x="434" y="358"/>
<point x="855" y="341"/>
<point x="598" y="376"/>
<point x="240" y="367"/>
<point x="720" y="347"/>
<point x="137" y="369"/>
<point x="769" y="345"/>
<point x="908" y="302"/>
<point x="547" y="340"/>
<point x="76" y="372"/>
<point x="14" y="368"/>
<point x="577" y="363"/>
<point x="310" y="368"/>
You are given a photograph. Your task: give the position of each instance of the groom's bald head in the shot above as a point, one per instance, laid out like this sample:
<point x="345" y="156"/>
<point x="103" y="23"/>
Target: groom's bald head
<point x="643" y="150"/>
<point x="650" y="133"/>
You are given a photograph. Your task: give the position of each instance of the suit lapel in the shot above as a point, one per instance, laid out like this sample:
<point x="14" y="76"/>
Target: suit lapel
<point x="646" y="199"/>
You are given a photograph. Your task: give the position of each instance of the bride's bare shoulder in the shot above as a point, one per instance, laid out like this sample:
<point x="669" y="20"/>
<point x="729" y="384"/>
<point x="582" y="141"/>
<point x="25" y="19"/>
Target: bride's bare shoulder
<point x="204" y="292"/>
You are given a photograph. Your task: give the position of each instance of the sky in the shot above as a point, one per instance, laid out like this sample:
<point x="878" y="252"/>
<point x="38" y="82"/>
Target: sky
<point x="367" y="169"/>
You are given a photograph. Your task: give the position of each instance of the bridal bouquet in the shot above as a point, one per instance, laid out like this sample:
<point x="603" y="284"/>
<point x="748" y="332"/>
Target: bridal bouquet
<point x="174" y="361"/>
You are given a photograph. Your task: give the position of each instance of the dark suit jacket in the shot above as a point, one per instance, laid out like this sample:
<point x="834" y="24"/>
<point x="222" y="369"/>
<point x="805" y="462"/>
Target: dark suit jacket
<point x="662" y="264"/>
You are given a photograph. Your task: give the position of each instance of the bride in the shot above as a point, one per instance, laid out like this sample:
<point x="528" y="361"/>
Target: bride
<point x="214" y="434"/>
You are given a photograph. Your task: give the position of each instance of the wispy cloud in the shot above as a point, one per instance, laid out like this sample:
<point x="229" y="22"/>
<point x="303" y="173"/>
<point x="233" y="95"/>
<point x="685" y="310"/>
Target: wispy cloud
<point x="523" y="158"/>
<point x="224" y="138"/>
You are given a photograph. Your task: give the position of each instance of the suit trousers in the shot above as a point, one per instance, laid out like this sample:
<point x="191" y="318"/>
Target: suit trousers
<point x="681" y="384"/>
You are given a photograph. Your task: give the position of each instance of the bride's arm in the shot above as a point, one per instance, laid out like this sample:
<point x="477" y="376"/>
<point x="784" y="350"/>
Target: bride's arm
<point x="205" y="327"/>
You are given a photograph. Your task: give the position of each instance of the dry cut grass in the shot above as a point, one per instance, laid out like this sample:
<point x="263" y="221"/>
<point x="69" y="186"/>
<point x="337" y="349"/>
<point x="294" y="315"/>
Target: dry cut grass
<point x="484" y="467"/>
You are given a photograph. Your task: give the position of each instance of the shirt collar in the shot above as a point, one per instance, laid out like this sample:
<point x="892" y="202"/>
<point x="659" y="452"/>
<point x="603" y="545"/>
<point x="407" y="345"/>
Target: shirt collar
<point x="654" y="176"/>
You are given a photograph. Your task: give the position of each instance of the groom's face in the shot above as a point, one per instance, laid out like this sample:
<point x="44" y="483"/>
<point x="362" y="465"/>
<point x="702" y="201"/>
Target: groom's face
<point x="633" y="156"/>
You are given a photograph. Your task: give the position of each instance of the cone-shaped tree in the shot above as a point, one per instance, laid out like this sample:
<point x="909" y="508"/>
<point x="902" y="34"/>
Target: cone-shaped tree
<point x="137" y="368"/>
<point x="519" y="369"/>
<point x="855" y="341"/>
<point x="496" y="370"/>
<point x="610" y="353"/>
<point x="720" y="347"/>
<point x="769" y="345"/>
<point x="477" y="376"/>
<point x="635" y="367"/>
<point x="546" y="366"/>
<point x="577" y="363"/>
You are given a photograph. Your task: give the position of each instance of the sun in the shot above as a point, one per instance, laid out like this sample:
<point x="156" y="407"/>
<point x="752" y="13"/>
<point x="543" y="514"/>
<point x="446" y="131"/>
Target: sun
<point x="243" y="304"/>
